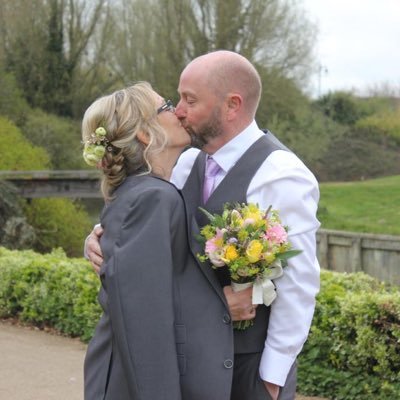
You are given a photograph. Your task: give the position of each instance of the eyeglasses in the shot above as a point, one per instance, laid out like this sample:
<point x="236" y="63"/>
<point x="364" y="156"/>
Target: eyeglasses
<point x="168" y="106"/>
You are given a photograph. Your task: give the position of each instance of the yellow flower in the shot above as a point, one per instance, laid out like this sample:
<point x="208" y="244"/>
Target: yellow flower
<point x="252" y="213"/>
<point x="269" y="257"/>
<point x="231" y="253"/>
<point x="253" y="251"/>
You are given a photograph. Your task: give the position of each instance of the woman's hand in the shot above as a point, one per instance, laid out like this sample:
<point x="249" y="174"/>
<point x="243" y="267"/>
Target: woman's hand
<point x="92" y="248"/>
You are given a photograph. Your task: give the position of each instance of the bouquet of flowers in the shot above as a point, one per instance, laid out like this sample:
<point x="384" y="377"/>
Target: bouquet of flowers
<point x="254" y="246"/>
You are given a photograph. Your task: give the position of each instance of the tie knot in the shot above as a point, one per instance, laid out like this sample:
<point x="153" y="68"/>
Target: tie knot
<point x="212" y="167"/>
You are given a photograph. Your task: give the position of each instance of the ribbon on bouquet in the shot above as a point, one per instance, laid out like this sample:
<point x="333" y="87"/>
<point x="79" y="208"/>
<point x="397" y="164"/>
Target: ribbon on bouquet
<point x="263" y="287"/>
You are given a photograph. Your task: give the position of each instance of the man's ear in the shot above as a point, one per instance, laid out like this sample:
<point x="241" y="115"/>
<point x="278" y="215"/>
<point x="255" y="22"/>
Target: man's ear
<point x="143" y="138"/>
<point x="234" y="102"/>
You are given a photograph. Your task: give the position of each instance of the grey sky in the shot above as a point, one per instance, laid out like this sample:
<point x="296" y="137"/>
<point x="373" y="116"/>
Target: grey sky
<point x="358" y="43"/>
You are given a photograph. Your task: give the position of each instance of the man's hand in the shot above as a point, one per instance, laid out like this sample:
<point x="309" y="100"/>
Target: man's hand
<point x="92" y="248"/>
<point x="240" y="303"/>
<point x="272" y="389"/>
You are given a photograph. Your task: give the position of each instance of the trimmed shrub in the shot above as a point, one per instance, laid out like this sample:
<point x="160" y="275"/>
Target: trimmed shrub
<point x="49" y="290"/>
<point x="353" y="350"/>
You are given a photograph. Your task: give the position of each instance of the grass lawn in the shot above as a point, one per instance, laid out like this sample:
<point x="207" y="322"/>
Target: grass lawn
<point x="371" y="206"/>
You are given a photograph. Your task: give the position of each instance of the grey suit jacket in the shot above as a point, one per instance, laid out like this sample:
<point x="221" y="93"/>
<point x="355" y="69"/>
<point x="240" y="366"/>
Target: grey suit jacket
<point x="165" y="332"/>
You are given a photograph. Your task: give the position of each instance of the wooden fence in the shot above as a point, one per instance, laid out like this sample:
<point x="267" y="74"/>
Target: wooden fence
<point x="376" y="255"/>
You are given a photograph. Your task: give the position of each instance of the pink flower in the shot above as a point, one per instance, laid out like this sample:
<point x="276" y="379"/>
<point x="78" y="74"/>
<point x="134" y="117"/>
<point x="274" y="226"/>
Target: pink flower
<point x="215" y="242"/>
<point x="276" y="234"/>
<point x="214" y="248"/>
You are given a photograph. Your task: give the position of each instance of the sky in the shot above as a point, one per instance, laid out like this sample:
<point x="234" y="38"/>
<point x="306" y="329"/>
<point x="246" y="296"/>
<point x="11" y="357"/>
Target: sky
<point x="358" y="45"/>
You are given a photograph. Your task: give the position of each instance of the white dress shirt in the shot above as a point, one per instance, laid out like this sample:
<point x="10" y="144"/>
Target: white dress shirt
<point x="284" y="182"/>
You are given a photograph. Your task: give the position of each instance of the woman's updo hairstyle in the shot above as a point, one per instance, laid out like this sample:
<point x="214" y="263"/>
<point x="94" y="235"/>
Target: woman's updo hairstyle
<point x="124" y="115"/>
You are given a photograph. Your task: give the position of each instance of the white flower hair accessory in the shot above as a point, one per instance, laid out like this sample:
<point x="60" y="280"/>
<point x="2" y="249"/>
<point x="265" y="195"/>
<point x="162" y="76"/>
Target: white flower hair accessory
<point x="96" y="146"/>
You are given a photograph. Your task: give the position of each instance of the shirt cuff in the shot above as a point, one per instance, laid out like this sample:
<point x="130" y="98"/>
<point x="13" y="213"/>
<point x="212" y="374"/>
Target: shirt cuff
<point x="275" y="367"/>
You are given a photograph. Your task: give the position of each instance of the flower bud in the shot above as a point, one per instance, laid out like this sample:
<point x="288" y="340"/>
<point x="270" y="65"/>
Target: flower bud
<point x="100" y="131"/>
<point x="99" y="151"/>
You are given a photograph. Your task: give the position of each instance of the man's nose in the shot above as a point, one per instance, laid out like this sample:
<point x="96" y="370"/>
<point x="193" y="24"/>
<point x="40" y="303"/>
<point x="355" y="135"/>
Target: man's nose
<point x="179" y="110"/>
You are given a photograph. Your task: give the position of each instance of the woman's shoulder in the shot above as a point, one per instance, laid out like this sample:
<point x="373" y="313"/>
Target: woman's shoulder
<point x="143" y="194"/>
<point x="150" y="188"/>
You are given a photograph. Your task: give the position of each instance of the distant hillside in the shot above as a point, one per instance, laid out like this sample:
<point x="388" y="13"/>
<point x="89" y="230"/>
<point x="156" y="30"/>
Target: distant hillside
<point x="371" y="206"/>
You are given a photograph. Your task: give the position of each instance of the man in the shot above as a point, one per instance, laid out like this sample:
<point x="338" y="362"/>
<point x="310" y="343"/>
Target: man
<point x="219" y="95"/>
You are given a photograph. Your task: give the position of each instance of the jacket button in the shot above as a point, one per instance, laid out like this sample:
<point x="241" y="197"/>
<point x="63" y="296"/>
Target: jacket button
<point x="228" y="363"/>
<point x="226" y="318"/>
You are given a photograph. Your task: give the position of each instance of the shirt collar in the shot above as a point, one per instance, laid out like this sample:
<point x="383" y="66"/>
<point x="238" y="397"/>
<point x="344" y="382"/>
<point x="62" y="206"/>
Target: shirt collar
<point x="229" y="154"/>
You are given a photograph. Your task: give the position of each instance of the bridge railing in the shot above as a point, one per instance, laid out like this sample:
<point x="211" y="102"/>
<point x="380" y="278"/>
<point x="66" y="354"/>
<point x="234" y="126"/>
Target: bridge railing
<point x="376" y="255"/>
<point x="62" y="183"/>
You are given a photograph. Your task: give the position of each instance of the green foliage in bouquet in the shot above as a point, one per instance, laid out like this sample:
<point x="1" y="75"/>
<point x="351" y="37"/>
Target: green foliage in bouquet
<point x="353" y="351"/>
<point x="49" y="291"/>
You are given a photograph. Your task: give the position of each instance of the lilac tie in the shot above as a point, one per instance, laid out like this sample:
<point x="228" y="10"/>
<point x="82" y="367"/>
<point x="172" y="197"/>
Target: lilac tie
<point x="212" y="169"/>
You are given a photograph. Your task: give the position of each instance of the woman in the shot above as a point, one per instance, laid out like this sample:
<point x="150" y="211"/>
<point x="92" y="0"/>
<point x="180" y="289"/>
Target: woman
<point x="135" y="138"/>
<point x="154" y="341"/>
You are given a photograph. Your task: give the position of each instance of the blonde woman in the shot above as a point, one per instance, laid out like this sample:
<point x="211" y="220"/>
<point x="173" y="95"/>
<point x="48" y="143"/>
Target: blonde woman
<point x="165" y="333"/>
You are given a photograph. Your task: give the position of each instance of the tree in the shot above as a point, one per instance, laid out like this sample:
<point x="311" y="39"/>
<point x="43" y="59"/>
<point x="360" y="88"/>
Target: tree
<point x="342" y="107"/>
<point x="12" y="102"/>
<point x="383" y="125"/>
<point x="60" y="137"/>
<point x="160" y="37"/>
<point x="16" y="151"/>
<point x="49" y="45"/>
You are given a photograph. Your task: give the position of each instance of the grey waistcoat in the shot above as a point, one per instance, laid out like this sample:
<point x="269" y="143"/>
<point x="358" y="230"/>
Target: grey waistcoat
<point x="233" y="188"/>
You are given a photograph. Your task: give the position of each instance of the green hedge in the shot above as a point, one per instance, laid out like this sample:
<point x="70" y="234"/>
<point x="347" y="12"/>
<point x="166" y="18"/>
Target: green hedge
<point x="49" y="290"/>
<point x="353" y="351"/>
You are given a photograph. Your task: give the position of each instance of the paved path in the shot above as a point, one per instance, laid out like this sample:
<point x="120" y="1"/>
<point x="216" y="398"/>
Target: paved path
<point x="37" y="365"/>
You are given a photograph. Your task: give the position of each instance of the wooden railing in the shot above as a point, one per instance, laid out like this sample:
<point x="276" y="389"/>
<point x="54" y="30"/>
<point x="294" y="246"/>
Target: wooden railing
<point x="375" y="255"/>
<point x="68" y="183"/>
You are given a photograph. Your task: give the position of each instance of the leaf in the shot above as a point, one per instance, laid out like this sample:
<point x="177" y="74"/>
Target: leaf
<point x="288" y="254"/>
<point x="200" y="238"/>
<point x="210" y="216"/>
